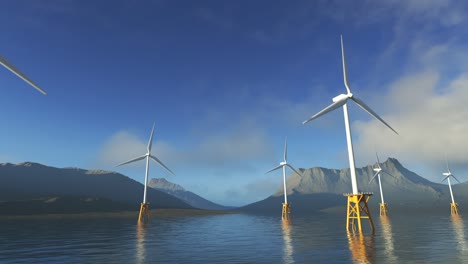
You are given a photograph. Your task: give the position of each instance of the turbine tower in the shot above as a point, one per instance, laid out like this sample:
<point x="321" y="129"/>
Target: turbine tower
<point x="378" y="170"/>
<point x="144" y="208"/>
<point x="5" y="63"/>
<point x="356" y="198"/>
<point x="286" y="208"/>
<point x="453" y="205"/>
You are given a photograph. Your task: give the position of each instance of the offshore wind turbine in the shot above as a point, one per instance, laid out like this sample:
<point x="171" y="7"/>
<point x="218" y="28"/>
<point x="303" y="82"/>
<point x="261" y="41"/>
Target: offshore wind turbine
<point x="9" y="66"/>
<point x="286" y="208"/>
<point x="355" y="198"/>
<point x="144" y="208"/>
<point x="378" y="170"/>
<point x="453" y="205"/>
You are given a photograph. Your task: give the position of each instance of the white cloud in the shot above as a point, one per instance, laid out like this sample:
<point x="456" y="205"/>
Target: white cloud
<point x="217" y="151"/>
<point x="430" y="116"/>
<point x="119" y="148"/>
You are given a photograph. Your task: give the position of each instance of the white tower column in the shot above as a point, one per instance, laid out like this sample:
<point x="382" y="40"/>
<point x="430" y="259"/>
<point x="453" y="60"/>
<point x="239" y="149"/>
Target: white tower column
<point x="284" y="185"/>
<point x="349" y="142"/>
<point x="450" y="187"/>
<point x="380" y="186"/>
<point x="146" y="178"/>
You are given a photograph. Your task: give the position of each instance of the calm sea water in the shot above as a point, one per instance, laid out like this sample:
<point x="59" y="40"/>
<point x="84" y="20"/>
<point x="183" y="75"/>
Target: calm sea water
<point x="236" y="238"/>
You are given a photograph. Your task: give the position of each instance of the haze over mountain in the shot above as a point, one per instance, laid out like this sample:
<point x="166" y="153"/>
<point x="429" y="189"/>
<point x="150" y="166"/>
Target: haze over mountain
<point x="33" y="181"/>
<point x="178" y="191"/>
<point x="323" y="188"/>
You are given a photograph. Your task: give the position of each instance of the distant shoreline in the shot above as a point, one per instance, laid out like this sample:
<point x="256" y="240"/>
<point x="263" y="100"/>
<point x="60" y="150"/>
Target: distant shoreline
<point x="154" y="213"/>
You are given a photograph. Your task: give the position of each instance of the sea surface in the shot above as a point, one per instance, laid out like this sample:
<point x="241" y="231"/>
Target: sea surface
<point x="235" y="238"/>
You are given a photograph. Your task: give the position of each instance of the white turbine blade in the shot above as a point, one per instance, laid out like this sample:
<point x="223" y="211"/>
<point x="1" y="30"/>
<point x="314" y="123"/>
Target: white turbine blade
<point x="375" y="175"/>
<point x="132" y="160"/>
<point x="13" y="69"/>
<point x="150" y="142"/>
<point x="446" y="163"/>
<point x="291" y="167"/>
<point x="285" y="149"/>
<point x="162" y="165"/>
<point x="455" y="178"/>
<point x="329" y="108"/>
<point x="388" y="174"/>
<point x="445" y="178"/>
<point x="371" y="112"/>
<point x="378" y="161"/>
<point x="275" y="168"/>
<point x="345" y="71"/>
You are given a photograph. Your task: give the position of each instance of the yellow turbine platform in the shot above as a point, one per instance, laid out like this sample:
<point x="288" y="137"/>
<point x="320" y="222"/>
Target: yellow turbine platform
<point x="143" y="217"/>
<point x="454" y="208"/>
<point x="383" y="209"/>
<point x="357" y="209"/>
<point x="286" y="211"/>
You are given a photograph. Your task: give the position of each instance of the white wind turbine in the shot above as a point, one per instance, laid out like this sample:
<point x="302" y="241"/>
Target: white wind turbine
<point x="148" y="156"/>
<point x="5" y="63"/>
<point x="447" y="175"/>
<point x="378" y="170"/>
<point x="283" y="165"/>
<point x="341" y="100"/>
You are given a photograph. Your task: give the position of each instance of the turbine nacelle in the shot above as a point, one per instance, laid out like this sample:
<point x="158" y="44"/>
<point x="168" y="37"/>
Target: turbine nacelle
<point x="283" y="163"/>
<point x="377" y="169"/>
<point x="342" y="97"/>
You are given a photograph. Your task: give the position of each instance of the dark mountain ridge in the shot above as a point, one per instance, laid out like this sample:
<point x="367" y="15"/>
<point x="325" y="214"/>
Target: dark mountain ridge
<point x="32" y="180"/>
<point x="190" y="198"/>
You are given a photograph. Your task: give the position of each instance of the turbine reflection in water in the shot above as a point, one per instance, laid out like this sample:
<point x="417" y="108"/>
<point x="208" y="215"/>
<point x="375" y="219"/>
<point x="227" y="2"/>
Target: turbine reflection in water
<point x="140" y="243"/>
<point x="458" y="227"/>
<point x="288" y="249"/>
<point x="388" y="239"/>
<point x="361" y="247"/>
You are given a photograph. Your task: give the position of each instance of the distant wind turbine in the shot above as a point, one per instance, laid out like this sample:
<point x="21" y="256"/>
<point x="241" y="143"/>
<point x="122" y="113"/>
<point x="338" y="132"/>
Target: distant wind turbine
<point x="448" y="174"/>
<point x="378" y="170"/>
<point x="144" y="206"/>
<point x="283" y="165"/>
<point x="338" y="101"/>
<point x="13" y="69"/>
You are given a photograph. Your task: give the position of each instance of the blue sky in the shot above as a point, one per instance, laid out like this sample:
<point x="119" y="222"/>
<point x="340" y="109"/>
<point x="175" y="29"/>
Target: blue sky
<point x="226" y="82"/>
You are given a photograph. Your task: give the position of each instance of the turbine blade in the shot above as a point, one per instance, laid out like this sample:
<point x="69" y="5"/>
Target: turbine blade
<point x="371" y="112"/>
<point x="275" y="168"/>
<point x="13" y="69"/>
<point x="377" y="158"/>
<point x="345" y="71"/>
<point x="162" y="165"/>
<point x="291" y="167"/>
<point x="388" y="174"/>
<point x="132" y="160"/>
<point x="456" y="178"/>
<point x="445" y="178"/>
<point x="375" y="175"/>
<point x="285" y="149"/>
<point x="329" y="108"/>
<point x="150" y="142"/>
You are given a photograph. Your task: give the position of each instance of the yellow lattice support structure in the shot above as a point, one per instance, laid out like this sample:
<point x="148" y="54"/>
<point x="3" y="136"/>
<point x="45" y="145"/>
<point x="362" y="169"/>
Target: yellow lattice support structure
<point x="286" y="211"/>
<point x="383" y="209"/>
<point x="143" y="217"/>
<point x="357" y="209"/>
<point x="454" y="208"/>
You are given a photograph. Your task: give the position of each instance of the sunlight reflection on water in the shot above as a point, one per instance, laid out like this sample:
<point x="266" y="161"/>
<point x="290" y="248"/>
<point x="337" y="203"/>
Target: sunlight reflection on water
<point x="234" y="238"/>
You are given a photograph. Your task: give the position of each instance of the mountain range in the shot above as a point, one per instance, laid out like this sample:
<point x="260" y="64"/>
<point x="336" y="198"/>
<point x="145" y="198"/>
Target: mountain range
<point x="320" y="189"/>
<point x="29" y="183"/>
<point x="27" y="188"/>
<point x="178" y="191"/>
